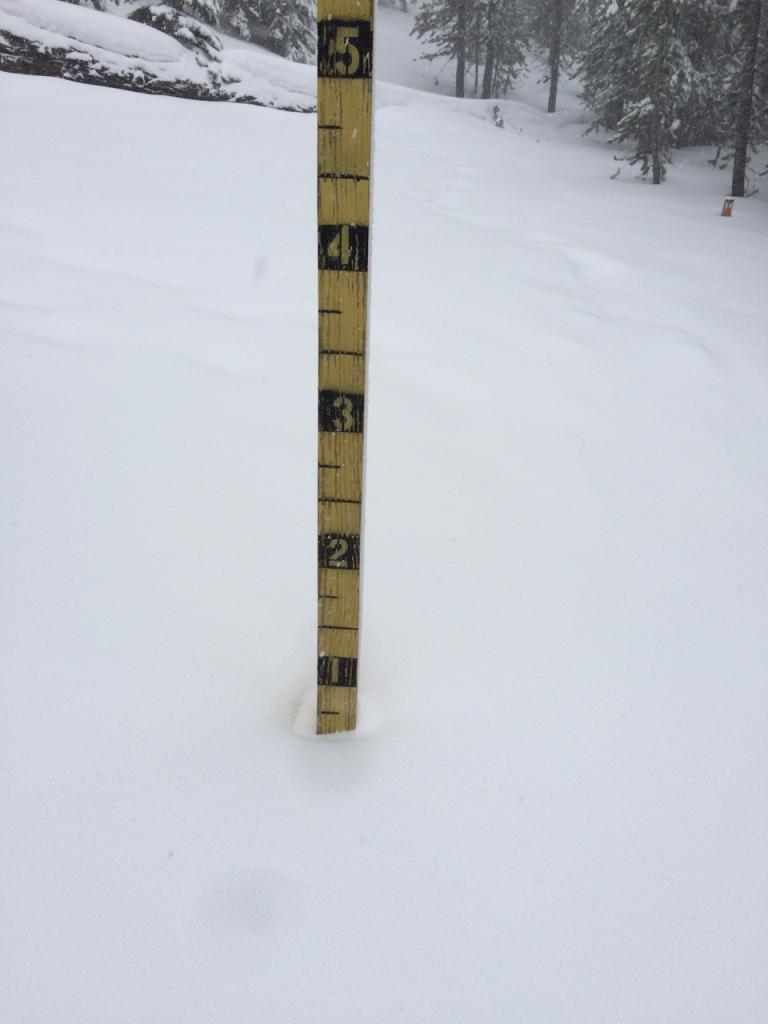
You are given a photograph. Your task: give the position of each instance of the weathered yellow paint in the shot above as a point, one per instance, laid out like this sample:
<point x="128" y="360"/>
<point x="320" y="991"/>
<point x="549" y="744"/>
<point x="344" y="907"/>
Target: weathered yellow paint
<point x="338" y="597"/>
<point x="344" y="484"/>
<point x="343" y="201"/>
<point x="343" y="302"/>
<point x="344" y="126"/>
<point x="344" y="110"/>
<point x="336" y="704"/>
<point x="338" y="10"/>
<point x="342" y="373"/>
<point x="338" y="517"/>
<point x="338" y="643"/>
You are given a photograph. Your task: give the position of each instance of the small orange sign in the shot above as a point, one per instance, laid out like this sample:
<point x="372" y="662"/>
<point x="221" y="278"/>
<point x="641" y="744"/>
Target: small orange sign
<point x="727" y="208"/>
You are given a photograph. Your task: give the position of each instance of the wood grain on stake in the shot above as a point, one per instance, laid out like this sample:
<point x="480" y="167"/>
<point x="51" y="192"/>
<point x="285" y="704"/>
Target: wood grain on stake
<point x="344" y="108"/>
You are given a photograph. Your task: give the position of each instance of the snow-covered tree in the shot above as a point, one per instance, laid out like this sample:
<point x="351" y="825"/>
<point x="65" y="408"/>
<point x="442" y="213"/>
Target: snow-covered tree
<point x="505" y="45"/>
<point x="641" y="77"/>
<point x="443" y="26"/>
<point x="192" y="22"/>
<point x="556" y="28"/>
<point x="605" y="64"/>
<point x="286" y="27"/>
<point x="559" y="14"/>
<point x="745" y="97"/>
<point x="703" y="30"/>
<point x="487" y="33"/>
<point x="661" y="82"/>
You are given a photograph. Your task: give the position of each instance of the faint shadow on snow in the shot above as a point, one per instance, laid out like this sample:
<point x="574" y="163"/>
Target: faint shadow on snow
<point x="245" y="901"/>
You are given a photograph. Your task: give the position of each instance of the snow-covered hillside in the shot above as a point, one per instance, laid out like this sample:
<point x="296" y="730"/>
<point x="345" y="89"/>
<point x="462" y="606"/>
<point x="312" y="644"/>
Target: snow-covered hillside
<point x="51" y="37"/>
<point x="554" y="812"/>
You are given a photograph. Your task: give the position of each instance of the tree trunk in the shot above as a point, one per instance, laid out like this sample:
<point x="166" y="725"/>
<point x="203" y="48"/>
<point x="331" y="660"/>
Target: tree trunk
<point x="477" y="51"/>
<point x="745" y="101"/>
<point x="490" y="55"/>
<point x="614" y="113"/>
<point x="656" y="161"/>
<point x="554" y="54"/>
<point x="657" y="164"/>
<point x="461" y="46"/>
<point x="657" y="168"/>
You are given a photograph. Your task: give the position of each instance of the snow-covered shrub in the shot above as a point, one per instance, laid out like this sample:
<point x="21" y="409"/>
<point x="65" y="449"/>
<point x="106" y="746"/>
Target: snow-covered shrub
<point x="189" y="21"/>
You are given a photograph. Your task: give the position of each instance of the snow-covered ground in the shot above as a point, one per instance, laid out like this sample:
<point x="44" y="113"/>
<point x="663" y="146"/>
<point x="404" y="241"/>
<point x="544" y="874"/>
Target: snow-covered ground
<point x="555" y="810"/>
<point x="108" y="42"/>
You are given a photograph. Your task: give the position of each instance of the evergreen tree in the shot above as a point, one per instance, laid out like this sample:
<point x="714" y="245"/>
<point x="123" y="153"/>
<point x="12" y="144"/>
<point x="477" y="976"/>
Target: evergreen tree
<point x="558" y="29"/>
<point x="443" y="25"/>
<point x="704" y="28"/>
<point x="461" y="45"/>
<point x="555" y="51"/>
<point x="192" y="22"/>
<point x="644" y="77"/>
<point x="486" y="33"/>
<point x="506" y="43"/>
<point x="286" y="27"/>
<point x="548" y="25"/>
<point x="606" y="63"/>
<point x="746" y="97"/>
<point x="662" y="77"/>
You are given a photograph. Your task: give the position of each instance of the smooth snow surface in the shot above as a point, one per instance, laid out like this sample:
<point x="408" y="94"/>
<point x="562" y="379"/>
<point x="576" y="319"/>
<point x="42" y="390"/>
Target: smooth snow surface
<point x="555" y="813"/>
<point x="254" y="62"/>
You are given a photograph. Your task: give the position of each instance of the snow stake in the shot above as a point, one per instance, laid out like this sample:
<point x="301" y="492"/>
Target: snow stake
<point x="727" y="210"/>
<point x="344" y="112"/>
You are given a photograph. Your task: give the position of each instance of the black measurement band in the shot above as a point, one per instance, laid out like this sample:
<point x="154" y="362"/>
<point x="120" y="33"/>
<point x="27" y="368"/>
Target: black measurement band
<point x="342" y="247"/>
<point x="338" y="551"/>
<point x="336" y="671"/>
<point x="345" y="177"/>
<point x="344" y="49"/>
<point x="340" y="413"/>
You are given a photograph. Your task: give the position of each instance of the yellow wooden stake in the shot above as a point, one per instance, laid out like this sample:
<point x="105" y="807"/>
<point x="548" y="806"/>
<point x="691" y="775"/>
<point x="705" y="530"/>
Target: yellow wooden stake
<point x="344" y="114"/>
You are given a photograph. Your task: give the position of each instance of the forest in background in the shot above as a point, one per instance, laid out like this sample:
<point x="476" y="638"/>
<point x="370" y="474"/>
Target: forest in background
<point x="656" y="74"/>
<point x="552" y="811"/>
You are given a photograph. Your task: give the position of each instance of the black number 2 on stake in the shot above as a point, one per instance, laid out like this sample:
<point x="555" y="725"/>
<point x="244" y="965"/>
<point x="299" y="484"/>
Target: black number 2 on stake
<point x="344" y="112"/>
